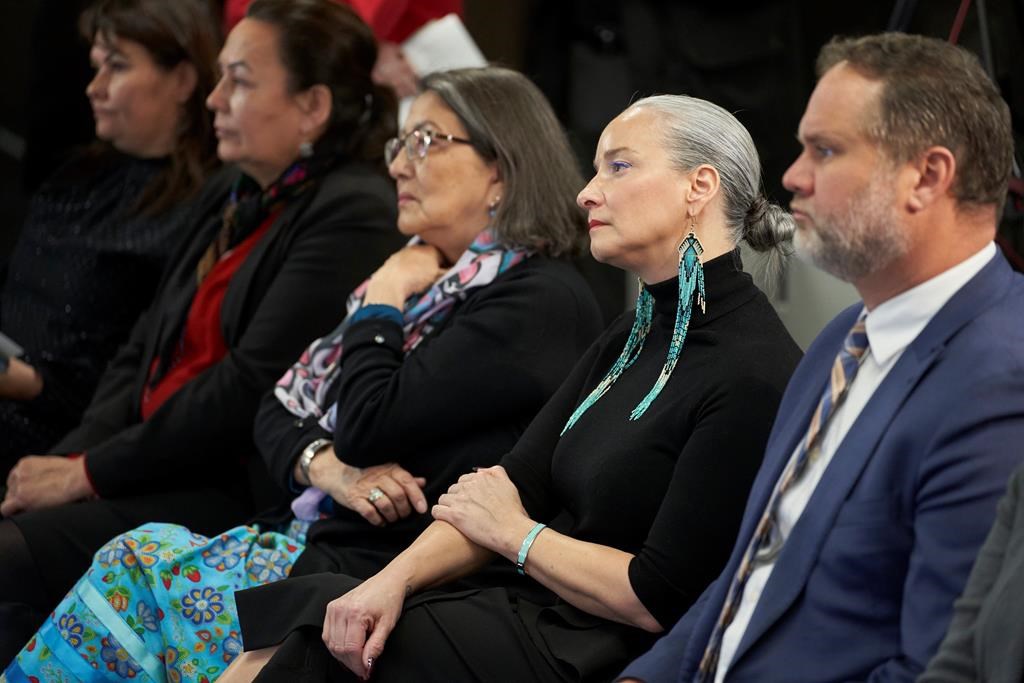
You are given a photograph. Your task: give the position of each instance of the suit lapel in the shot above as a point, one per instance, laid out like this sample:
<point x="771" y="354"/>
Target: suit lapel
<point x="804" y="544"/>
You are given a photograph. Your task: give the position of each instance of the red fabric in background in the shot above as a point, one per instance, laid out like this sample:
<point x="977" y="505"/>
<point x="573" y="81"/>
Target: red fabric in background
<point x="391" y="20"/>
<point x="202" y="344"/>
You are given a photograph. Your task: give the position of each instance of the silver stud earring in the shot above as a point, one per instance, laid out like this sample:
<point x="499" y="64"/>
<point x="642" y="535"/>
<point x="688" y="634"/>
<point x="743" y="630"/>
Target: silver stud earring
<point x="305" y="149"/>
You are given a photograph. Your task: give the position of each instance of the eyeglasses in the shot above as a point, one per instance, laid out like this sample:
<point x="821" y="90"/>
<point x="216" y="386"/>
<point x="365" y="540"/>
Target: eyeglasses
<point x="417" y="142"/>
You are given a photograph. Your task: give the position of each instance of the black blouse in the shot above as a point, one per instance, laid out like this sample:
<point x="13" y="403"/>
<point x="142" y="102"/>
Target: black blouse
<point x="669" y="487"/>
<point x="85" y="266"/>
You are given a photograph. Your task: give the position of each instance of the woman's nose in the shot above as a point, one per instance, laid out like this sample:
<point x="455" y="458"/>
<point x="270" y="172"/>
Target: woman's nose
<point x="588" y="197"/>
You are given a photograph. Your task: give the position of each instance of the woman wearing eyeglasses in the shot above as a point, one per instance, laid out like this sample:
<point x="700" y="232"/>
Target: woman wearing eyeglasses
<point x="447" y="352"/>
<point x="620" y="502"/>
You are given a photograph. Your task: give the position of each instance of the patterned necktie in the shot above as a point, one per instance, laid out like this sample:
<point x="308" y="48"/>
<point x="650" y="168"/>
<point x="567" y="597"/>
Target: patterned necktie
<point x="767" y="541"/>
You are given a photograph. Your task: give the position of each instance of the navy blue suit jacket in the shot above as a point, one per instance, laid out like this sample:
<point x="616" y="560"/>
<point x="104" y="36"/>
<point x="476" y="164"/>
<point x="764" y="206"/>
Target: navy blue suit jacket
<point x="864" y="587"/>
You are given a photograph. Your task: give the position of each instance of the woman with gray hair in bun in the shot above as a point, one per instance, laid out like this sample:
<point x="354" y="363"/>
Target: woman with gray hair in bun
<point x="621" y="501"/>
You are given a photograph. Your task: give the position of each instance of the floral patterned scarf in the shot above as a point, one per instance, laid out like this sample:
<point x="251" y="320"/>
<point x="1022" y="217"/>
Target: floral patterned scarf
<point x="304" y="389"/>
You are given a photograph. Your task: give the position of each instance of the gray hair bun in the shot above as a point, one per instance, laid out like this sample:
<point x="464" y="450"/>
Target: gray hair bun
<point x="767" y="226"/>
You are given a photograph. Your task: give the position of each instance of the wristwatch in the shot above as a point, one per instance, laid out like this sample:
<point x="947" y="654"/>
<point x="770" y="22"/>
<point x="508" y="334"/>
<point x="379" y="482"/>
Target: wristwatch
<point x="310" y="452"/>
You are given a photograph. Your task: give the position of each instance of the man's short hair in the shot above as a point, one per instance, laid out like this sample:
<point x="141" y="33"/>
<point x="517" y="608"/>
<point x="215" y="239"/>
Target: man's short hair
<point x="934" y="93"/>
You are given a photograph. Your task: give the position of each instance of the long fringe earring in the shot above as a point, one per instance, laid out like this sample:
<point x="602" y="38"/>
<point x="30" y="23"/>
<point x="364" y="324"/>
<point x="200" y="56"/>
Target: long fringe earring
<point x="635" y="342"/>
<point x="691" y="287"/>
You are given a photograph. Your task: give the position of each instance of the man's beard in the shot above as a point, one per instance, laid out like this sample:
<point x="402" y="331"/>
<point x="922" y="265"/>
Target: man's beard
<point x="858" y="240"/>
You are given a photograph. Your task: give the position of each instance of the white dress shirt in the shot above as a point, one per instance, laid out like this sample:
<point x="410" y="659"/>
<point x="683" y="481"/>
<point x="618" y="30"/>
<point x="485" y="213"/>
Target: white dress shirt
<point x="891" y="327"/>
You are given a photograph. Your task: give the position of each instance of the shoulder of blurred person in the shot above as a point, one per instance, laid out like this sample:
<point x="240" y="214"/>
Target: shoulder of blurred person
<point x="985" y="641"/>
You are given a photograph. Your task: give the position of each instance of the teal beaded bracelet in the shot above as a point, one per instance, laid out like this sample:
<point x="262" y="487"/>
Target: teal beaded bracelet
<point x="524" y="549"/>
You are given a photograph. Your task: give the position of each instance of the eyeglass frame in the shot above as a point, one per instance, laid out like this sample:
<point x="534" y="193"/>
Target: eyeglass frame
<point x="429" y="137"/>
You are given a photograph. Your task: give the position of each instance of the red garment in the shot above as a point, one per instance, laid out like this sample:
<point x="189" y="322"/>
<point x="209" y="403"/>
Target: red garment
<point x="202" y="344"/>
<point x="391" y="20"/>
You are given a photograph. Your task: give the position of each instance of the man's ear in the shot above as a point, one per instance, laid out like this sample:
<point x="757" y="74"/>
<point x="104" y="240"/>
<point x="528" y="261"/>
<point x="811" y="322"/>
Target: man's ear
<point x="934" y="174"/>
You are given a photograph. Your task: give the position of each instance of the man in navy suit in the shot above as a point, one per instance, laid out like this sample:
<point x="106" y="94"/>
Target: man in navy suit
<point x="900" y="428"/>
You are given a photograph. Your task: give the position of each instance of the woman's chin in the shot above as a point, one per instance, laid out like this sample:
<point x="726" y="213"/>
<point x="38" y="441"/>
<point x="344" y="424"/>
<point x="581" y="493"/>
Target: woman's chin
<point x="227" y="152"/>
<point x="599" y="255"/>
<point x="407" y="225"/>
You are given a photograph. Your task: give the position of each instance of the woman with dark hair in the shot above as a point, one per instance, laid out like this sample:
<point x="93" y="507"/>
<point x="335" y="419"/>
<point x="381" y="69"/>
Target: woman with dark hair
<point x="98" y="233"/>
<point x="621" y="499"/>
<point x="273" y="244"/>
<point x="449" y="350"/>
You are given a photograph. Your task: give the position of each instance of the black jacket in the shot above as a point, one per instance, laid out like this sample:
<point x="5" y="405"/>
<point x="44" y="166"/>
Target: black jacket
<point x="290" y="289"/>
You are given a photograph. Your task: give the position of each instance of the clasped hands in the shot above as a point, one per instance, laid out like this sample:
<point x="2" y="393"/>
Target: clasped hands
<point x="484" y="506"/>
<point x="43" y="481"/>
<point x="351" y="487"/>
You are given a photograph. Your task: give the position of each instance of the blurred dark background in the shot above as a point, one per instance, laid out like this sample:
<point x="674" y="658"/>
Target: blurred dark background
<point x="591" y="58"/>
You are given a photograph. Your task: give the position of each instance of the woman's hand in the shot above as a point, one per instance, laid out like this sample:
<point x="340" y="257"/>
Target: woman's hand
<point x="352" y="487"/>
<point x="358" y="623"/>
<point x="485" y="507"/>
<point x="43" y="481"/>
<point x="406" y="272"/>
<point x="21" y="382"/>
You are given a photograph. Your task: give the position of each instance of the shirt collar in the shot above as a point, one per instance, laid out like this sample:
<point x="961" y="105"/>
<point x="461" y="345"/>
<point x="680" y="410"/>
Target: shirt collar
<point x="895" y="323"/>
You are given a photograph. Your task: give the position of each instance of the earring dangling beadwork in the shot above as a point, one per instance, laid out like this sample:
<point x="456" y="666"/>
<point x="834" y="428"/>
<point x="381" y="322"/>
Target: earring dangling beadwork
<point x="691" y="287"/>
<point x="305" y="149"/>
<point x="492" y="208"/>
<point x="634" y="344"/>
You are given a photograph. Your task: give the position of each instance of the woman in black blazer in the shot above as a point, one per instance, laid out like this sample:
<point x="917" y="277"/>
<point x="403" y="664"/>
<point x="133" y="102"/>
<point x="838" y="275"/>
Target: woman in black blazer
<point x="276" y="245"/>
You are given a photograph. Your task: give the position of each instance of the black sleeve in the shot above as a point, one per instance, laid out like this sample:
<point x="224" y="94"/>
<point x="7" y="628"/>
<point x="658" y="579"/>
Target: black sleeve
<point x="113" y="406"/>
<point x="213" y="414"/>
<point x="495" y="357"/>
<point x="281" y="436"/>
<point x="696" y="525"/>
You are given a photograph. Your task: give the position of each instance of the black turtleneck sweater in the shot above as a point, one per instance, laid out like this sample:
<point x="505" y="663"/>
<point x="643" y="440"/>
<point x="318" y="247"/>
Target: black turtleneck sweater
<point x="671" y="486"/>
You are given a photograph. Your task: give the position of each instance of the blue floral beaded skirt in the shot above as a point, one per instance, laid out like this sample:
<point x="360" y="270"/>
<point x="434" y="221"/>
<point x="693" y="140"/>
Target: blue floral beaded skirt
<point x="157" y="605"/>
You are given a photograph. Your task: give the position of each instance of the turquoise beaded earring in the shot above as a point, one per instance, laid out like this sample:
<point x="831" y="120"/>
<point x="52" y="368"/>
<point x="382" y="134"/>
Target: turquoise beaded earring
<point x="691" y="286"/>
